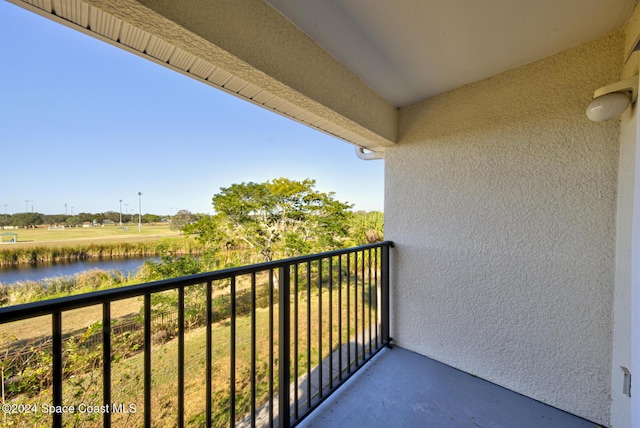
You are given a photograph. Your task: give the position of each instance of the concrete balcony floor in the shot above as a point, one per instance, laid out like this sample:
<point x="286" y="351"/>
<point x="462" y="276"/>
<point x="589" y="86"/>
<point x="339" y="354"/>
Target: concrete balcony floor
<point x="400" y="388"/>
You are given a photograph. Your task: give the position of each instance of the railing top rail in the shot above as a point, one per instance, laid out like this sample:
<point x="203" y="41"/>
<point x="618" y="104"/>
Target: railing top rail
<point x="47" y="307"/>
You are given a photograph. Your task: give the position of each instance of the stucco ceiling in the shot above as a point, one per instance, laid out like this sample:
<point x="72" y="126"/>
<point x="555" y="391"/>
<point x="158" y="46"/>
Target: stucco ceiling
<point x="412" y="50"/>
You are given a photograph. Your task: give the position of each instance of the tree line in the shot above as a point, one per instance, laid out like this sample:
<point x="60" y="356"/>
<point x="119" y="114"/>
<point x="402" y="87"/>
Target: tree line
<point x="277" y="218"/>
<point x="32" y="219"/>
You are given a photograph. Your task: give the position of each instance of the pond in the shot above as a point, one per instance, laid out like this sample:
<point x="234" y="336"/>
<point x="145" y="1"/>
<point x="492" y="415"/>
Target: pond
<point x="11" y="274"/>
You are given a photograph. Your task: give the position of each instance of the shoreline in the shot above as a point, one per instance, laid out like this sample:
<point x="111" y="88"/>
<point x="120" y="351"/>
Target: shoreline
<point x="77" y="251"/>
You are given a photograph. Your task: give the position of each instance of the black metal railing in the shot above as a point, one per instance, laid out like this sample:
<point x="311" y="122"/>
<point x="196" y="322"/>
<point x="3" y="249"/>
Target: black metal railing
<point x="279" y="338"/>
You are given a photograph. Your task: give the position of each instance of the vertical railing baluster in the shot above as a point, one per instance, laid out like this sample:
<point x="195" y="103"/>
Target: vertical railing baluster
<point x="364" y="317"/>
<point x="147" y="360"/>
<point x="56" y="350"/>
<point x="232" y="380"/>
<point x="377" y="288"/>
<point x="340" y="317"/>
<point x="181" y="357"/>
<point x="309" y="335"/>
<point x="106" y="361"/>
<point x="320" y="328"/>
<point x="355" y="304"/>
<point x="253" y="349"/>
<point x="348" y="313"/>
<point x="295" y="340"/>
<point x="271" y="347"/>
<point x="209" y="356"/>
<point x="283" y="345"/>
<point x="370" y="303"/>
<point x="385" y="296"/>
<point x="330" y="323"/>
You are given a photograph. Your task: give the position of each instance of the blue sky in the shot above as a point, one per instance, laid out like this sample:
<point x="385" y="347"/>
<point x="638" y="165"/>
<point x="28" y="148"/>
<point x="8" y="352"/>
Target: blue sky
<point x="87" y="124"/>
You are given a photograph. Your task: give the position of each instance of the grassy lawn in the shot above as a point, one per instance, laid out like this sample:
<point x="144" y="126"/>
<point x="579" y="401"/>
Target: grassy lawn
<point x="74" y="321"/>
<point x="78" y="235"/>
<point x="127" y="373"/>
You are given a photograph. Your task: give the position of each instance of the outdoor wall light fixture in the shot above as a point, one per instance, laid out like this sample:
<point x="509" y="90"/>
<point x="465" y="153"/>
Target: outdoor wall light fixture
<point x="612" y="100"/>
<point x="364" y="154"/>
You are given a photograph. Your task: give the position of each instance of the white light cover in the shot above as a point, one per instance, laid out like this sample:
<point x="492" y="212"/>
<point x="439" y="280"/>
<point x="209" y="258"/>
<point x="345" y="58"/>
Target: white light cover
<point x="607" y="107"/>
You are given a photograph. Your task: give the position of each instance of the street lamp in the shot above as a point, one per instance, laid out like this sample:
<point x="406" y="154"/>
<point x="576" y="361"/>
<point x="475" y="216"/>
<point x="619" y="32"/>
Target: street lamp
<point x="140" y="212"/>
<point x="120" y="212"/>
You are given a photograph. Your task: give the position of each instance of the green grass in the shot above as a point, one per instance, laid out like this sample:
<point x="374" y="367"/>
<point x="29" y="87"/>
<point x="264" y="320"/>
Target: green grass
<point x="127" y="373"/>
<point x="116" y="243"/>
<point x="75" y="235"/>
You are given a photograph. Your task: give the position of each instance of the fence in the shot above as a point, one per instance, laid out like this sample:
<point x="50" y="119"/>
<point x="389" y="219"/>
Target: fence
<point x="326" y="315"/>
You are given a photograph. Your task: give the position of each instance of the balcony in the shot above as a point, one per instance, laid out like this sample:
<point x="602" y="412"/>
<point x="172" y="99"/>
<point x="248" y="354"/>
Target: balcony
<point x="277" y="338"/>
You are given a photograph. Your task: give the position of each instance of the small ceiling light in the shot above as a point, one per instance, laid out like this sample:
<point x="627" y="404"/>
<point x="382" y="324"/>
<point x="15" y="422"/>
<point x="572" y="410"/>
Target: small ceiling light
<point x="612" y="100"/>
<point x="364" y="154"/>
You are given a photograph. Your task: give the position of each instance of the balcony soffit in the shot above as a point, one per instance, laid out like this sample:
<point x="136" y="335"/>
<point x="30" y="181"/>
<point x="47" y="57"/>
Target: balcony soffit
<point x="97" y="23"/>
<point x="412" y="50"/>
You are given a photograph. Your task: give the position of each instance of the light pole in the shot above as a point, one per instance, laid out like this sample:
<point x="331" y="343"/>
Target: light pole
<point x="26" y="205"/>
<point x="5" y="213"/>
<point x="140" y="212"/>
<point x="120" y="212"/>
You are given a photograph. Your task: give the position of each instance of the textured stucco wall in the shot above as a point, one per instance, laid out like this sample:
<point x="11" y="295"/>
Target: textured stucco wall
<point x="501" y="199"/>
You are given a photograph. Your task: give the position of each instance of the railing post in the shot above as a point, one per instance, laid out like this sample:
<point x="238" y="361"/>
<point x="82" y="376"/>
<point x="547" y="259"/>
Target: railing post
<point x="57" y="370"/>
<point x="283" y="346"/>
<point x="209" y="356"/>
<point x="180" y="357"/>
<point x="147" y="360"/>
<point x="384" y="294"/>
<point x="106" y="360"/>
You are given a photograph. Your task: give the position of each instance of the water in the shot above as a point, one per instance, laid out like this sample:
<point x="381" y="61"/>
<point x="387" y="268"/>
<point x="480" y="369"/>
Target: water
<point x="11" y="274"/>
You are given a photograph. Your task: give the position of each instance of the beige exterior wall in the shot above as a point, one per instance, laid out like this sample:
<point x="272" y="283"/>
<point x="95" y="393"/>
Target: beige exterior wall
<point x="501" y="199"/>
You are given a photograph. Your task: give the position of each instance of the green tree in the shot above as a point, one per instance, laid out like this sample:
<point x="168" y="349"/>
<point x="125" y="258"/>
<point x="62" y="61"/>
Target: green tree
<point x="276" y="218"/>
<point x="366" y="227"/>
<point x="26" y="219"/>
<point x="181" y="219"/>
<point x="5" y="219"/>
<point x="170" y="265"/>
<point x="151" y="218"/>
<point x="54" y="218"/>
<point x="73" y="221"/>
<point x="112" y="216"/>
